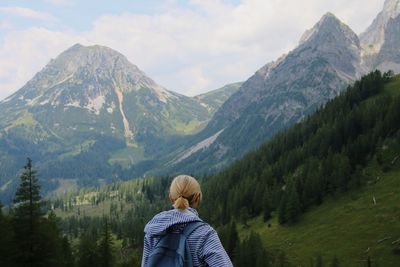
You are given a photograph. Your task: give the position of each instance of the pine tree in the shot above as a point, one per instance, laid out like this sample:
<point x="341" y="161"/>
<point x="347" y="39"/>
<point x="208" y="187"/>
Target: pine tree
<point x="318" y="261"/>
<point x="106" y="246"/>
<point x="87" y="251"/>
<point x="293" y="209"/>
<point x="232" y="239"/>
<point x="67" y="253"/>
<point x="282" y="209"/>
<point x="335" y="262"/>
<point x="38" y="239"/>
<point x="7" y="243"/>
<point x="26" y="217"/>
<point x="250" y="252"/>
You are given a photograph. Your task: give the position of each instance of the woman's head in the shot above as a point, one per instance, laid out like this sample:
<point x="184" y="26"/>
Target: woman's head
<point x="184" y="192"/>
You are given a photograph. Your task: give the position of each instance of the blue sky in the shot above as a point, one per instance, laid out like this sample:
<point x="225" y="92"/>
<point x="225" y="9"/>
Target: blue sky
<point x="77" y="14"/>
<point x="188" y="46"/>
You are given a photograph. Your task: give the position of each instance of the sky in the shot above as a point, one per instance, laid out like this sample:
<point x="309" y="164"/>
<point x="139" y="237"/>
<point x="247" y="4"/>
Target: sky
<point x="187" y="46"/>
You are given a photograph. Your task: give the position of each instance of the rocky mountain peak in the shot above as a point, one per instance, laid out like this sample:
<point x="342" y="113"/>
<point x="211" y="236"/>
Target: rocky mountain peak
<point x="329" y="29"/>
<point x="373" y="38"/>
<point x="84" y="74"/>
<point x="334" y="41"/>
<point x="96" y="60"/>
<point x="391" y="8"/>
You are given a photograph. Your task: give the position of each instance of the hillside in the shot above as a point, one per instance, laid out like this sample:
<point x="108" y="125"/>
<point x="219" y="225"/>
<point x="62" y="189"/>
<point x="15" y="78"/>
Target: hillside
<point x="320" y="156"/>
<point x="350" y="226"/>
<point x="329" y="57"/>
<point x="215" y="99"/>
<point x="277" y="96"/>
<point x="317" y="192"/>
<point x="90" y="115"/>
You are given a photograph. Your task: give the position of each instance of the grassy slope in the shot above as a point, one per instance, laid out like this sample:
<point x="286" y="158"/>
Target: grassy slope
<point x="348" y="226"/>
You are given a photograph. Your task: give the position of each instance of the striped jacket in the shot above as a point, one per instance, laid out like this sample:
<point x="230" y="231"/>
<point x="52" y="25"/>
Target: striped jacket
<point x="204" y="243"/>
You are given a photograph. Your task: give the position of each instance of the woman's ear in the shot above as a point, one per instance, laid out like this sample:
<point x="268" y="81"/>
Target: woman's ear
<point x="196" y="201"/>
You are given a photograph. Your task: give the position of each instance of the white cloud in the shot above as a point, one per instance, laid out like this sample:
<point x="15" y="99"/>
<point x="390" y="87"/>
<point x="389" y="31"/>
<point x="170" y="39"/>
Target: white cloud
<point x="24" y="53"/>
<point x="26" y="13"/>
<point x="189" y="49"/>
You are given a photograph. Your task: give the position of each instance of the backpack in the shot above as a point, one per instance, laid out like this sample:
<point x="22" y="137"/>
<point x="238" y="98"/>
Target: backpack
<point x="172" y="250"/>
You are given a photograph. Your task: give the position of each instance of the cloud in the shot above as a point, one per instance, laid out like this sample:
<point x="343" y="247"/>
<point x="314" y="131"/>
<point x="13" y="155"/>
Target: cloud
<point x="27" y="13"/>
<point x="189" y="48"/>
<point x="23" y="53"/>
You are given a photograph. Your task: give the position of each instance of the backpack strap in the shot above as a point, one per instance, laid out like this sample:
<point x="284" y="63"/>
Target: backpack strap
<point x="191" y="226"/>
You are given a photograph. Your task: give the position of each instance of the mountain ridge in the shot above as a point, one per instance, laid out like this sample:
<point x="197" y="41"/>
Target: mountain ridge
<point x="90" y="105"/>
<point x="342" y="55"/>
<point x="280" y="94"/>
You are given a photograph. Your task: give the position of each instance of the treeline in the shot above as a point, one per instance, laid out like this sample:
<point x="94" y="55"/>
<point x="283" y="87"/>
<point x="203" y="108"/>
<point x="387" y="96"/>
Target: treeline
<point x="29" y="237"/>
<point x="32" y="234"/>
<point x="128" y="206"/>
<point x="323" y="155"/>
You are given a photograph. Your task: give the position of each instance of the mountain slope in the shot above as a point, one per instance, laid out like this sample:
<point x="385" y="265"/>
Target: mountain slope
<point x="380" y="41"/>
<point x="213" y="100"/>
<point x="88" y="113"/>
<point x="278" y="95"/>
<point x="349" y="208"/>
<point x="348" y="148"/>
<point x="350" y="226"/>
<point x="320" y="156"/>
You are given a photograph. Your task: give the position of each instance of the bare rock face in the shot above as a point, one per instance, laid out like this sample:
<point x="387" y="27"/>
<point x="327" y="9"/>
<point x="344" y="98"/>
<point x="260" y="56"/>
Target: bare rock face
<point x="281" y="93"/>
<point x="373" y="37"/>
<point x="380" y="42"/>
<point x="388" y="57"/>
<point x="328" y="58"/>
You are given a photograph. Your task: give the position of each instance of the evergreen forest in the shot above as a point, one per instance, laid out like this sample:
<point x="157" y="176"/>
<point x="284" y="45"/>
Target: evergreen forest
<point x="345" y="146"/>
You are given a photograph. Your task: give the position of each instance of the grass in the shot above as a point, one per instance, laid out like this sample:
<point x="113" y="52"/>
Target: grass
<point x="191" y="127"/>
<point x="26" y="119"/>
<point x="394" y="86"/>
<point x="127" y="156"/>
<point x="77" y="149"/>
<point x="351" y="226"/>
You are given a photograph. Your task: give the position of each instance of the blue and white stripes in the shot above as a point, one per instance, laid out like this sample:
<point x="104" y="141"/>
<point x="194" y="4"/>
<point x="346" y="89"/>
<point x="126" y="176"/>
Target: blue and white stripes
<point x="204" y="243"/>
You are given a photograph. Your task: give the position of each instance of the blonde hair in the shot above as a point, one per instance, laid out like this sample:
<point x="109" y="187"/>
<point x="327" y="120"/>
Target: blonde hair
<point x="184" y="192"/>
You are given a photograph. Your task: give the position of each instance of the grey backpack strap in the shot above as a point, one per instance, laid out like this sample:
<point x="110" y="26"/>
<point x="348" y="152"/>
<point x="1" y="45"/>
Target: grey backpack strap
<point x="186" y="232"/>
<point x="191" y="227"/>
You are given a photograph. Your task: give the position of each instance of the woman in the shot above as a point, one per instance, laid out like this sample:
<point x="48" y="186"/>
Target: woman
<point x="205" y="247"/>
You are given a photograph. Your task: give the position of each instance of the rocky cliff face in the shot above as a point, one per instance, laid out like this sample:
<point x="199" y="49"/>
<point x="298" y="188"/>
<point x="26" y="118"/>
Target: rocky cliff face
<point x="329" y="57"/>
<point x="281" y="93"/>
<point x="380" y="42"/>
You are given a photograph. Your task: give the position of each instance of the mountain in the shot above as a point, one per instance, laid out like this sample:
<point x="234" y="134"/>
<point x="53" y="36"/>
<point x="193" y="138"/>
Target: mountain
<point x="89" y="114"/>
<point x="278" y="95"/>
<point x="213" y="100"/>
<point x="341" y="165"/>
<point x="381" y="41"/>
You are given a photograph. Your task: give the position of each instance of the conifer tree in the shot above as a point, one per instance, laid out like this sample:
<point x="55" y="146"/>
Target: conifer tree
<point x="87" y="251"/>
<point x="38" y="239"/>
<point x="26" y="217"/>
<point x="335" y="262"/>
<point x="106" y="246"/>
<point x="67" y="253"/>
<point x="7" y="243"/>
<point x="293" y="208"/>
<point x="232" y="239"/>
<point x="282" y="209"/>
